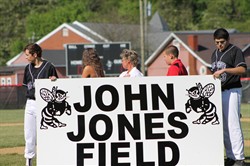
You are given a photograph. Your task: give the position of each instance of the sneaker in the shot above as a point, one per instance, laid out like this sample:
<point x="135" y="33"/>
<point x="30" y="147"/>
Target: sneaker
<point x="229" y="162"/>
<point x="28" y="162"/>
<point x="239" y="163"/>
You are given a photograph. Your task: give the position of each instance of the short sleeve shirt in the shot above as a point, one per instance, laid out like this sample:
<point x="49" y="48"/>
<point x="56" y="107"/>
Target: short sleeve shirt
<point x="134" y="72"/>
<point x="231" y="57"/>
<point x="31" y="73"/>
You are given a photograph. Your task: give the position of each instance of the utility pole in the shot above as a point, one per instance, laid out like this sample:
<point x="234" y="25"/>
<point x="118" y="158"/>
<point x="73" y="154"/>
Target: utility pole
<point x="145" y="30"/>
<point x="142" y="36"/>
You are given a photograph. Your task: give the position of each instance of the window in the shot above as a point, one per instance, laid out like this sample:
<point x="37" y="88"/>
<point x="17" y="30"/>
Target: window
<point x="203" y="70"/>
<point x="65" y="32"/>
<point x="3" y="81"/>
<point x="8" y="81"/>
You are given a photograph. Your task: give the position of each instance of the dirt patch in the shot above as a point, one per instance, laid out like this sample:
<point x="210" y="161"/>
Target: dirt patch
<point x="245" y="119"/>
<point x="11" y="124"/>
<point x="247" y="143"/>
<point x="14" y="150"/>
<point x="20" y="150"/>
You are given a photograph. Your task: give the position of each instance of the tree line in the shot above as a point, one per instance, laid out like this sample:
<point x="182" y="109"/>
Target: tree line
<point x="24" y="21"/>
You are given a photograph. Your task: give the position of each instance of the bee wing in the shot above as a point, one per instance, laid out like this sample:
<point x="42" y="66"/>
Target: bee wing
<point x="46" y="95"/>
<point x="208" y="90"/>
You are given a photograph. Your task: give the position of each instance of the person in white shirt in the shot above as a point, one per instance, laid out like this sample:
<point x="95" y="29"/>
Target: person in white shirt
<point x="129" y="62"/>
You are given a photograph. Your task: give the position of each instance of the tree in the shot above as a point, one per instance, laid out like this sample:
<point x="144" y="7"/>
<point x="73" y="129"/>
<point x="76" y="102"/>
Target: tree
<point x="233" y="14"/>
<point x="13" y="24"/>
<point x="178" y="14"/>
<point x="23" y="21"/>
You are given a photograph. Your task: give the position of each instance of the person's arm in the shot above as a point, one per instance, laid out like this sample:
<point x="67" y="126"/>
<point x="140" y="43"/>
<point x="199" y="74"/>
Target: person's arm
<point x="25" y="76"/>
<point x="235" y="71"/>
<point x="52" y="73"/>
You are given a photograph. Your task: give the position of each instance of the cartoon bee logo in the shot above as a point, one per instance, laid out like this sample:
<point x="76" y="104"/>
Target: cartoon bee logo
<point x="199" y="102"/>
<point x="56" y="106"/>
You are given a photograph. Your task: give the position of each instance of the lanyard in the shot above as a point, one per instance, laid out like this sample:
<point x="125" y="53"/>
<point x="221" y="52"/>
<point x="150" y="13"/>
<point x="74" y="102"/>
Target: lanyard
<point x="216" y="54"/>
<point x="32" y="76"/>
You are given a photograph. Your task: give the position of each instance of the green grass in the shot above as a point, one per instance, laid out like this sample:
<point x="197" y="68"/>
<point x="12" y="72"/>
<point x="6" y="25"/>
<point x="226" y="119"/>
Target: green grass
<point x="11" y="116"/>
<point x="245" y="110"/>
<point x="246" y="130"/>
<point x="12" y="136"/>
<point x="12" y="160"/>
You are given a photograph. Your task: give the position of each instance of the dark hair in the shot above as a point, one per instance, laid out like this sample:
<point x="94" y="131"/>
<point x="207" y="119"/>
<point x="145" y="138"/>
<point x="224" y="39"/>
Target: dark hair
<point x="130" y="55"/>
<point x="33" y="48"/>
<point x="221" y="33"/>
<point x="173" y="50"/>
<point x="90" y="57"/>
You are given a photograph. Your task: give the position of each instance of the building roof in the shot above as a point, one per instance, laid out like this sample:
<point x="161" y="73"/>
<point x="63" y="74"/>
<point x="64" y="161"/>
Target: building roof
<point x="156" y="38"/>
<point x="9" y="70"/>
<point x="71" y="27"/>
<point x="65" y="25"/>
<point x="157" y="24"/>
<point x="52" y="56"/>
<point x="88" y="32"/>
<point x="166" y="42"/>
<point x="205" y="44"/>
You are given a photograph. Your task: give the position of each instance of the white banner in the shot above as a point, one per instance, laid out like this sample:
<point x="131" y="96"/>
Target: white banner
<point x="151" y="121"/>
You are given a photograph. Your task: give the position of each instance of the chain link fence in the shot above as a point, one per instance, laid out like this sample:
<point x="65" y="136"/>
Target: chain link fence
<point x="245" y="90"/>
<point x="12" y="97"/>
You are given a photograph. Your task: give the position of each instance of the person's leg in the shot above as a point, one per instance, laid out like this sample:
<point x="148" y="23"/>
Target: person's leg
<point x="30" y="130"/>
<point x="225" y="109"/>
<point x="28" y="162"/>
<point x="236" y="135"/>
<point x="233" y="136"/>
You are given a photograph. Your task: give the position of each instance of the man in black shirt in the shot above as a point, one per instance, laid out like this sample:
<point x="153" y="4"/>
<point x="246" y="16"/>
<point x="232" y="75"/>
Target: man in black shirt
<point x="228" y="64"/>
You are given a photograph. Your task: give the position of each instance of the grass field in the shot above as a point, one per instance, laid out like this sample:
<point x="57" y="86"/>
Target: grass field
<point x="11" y="129"/>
